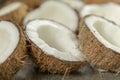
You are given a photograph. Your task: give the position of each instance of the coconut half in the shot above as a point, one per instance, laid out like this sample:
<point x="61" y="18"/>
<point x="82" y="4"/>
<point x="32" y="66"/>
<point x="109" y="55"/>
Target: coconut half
<point x="54" y="47"/>
<point x="56" y="11"/>
<point x="14" y="11"/>
<point x="110" y="11"/>
<point x="99" y="41"/>
<point x="76" y="4"/>
<point x="12" y="49"/>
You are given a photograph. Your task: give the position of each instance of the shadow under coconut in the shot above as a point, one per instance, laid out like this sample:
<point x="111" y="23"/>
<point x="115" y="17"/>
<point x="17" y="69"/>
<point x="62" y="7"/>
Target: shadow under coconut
<point x="27" y="72"/>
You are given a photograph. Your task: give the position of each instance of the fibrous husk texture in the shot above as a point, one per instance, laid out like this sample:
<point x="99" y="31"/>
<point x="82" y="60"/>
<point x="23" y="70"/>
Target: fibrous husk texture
<point x="52" y="64"/>
<point x="97" y="54"/>
<point x="17" y="15"/>
<point x="15" y="61"/>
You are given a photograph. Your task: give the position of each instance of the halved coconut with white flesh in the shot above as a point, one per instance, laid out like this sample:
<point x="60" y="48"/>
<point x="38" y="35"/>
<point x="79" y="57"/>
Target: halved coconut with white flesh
<point x="54" y="46"/>
<point x="111" y="11"/>
<point x="14" y="11"/>
<point x="30" y="3"/>
<point x="100" y="42"/>
<point x="56" y="11"/>
<point x="76" y="4"/>
<point x="12" y="49"/>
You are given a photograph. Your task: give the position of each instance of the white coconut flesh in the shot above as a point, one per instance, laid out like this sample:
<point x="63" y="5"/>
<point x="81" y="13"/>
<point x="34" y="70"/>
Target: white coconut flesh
<point x="56" y="11"/>
<point x="105" y="31"/>
<point x="54" y="39"/>
<point x="111" y="11"/>
<point x="76" y="4"/>
<point x="9" y="38"/>
<point x="9" y="8"/>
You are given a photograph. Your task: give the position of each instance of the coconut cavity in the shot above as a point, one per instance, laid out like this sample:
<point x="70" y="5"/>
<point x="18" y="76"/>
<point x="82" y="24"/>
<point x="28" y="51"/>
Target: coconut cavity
<point x="56" y="11"/>
<point x="110" y="11"/>
<point x="106" y="32"/>
<point x="9" y="39"/>
<point x="54" y="39"/>
<point x="9" y="8"/>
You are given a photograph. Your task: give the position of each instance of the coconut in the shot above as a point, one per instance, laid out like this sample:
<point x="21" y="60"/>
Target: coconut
<point x="76" y="4"/>
<point x="54" y="47"/>
<point x="110" y="11"/>
<point x="56" y="11"/>
<point x="12" y="49"/>
<point x="31" y="3"/>
<point x="14" y="11"/>
<point x="99" y="41"/>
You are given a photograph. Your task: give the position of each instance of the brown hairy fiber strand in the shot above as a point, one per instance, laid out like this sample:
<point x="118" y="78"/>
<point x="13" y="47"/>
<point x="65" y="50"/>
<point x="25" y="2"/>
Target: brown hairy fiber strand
<point x="97" y="54"/>
<point x="15" y="61"/>
<point x="52" y="64"/>
<point x="17" y="15"/>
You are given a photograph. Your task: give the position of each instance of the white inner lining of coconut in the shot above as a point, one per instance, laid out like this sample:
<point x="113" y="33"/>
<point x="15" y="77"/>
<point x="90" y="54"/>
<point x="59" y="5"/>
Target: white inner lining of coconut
<point x="9" y="8"/>
<point x="56" y="11"/>
<point x="76" y="4"/>
<point x="9" y="38"/>
<point x="54" y="39"/>
<point x="110" y="11"/>
<point x="105" y="31"/>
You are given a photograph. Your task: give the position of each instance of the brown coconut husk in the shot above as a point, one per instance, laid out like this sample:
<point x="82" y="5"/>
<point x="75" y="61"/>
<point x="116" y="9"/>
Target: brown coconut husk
<point x="52" y="64"/>
<point x="100" y="1"/>
<point x="15" y="61"/>
<point x="30" y="3"/>
<point x="97" y="54"/>
<point x="17" y="15"/>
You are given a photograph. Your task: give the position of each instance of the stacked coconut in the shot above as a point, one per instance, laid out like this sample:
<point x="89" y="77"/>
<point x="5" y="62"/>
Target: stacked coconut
<point x="12" y="41"/>
<point x="51" y="30"/>
<point x="52" y="37"/>
<point x="63" y="35"/>
<point x="99" y="34"/>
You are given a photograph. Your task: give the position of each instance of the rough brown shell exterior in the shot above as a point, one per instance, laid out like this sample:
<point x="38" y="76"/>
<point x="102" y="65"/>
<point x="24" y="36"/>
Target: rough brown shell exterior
<point x="52" y="64"/>
<point x="97" y="54"/>
<point x="15" y="61"/>
<point x="17" y="15"/>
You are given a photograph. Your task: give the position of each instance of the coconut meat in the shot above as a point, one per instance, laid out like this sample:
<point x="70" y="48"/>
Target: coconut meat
<point x="105" y="31"/>
<point x="9" y="8"/>
<point x="110" y="11"/>
<point x="76" y="4"/>
<point x="54" y="39"/>
<point x="9" y="38"/>
<point x="56" y="11"/>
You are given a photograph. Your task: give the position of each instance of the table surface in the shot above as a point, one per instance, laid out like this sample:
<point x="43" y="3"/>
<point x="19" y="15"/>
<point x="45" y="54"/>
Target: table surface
<point x="28" y="72"/>
<point x="86" y="73"/>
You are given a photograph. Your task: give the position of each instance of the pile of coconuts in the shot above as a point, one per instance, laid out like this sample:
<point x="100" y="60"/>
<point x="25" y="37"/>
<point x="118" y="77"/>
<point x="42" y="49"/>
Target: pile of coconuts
<point x="60" y="35"/>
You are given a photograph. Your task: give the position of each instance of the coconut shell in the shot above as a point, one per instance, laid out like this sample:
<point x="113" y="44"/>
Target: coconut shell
<point x="31" y="3"/>
<point x="17" y="15"/>
<point x="100" y="1"/>
<point x="52" y="64"/>
<point x="97" y="54"/>
<point x="15" y="61"/>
